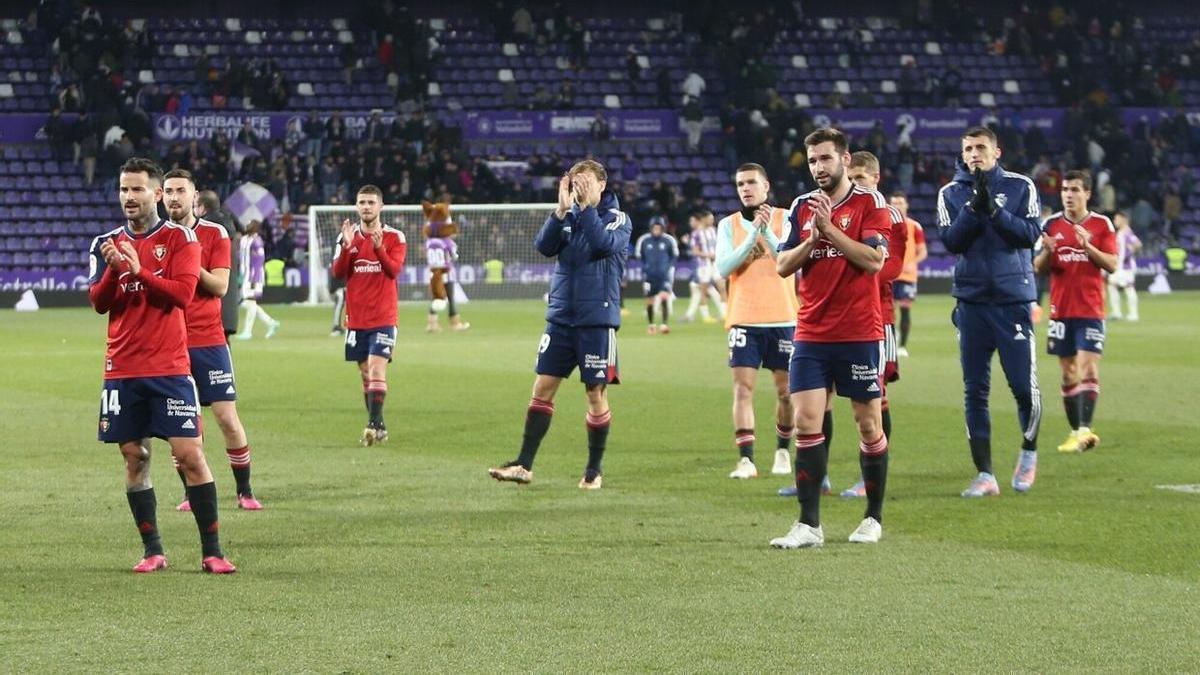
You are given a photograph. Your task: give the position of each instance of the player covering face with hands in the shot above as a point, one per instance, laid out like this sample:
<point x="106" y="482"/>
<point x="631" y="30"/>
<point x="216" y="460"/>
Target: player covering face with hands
<point x="588" y="235"/>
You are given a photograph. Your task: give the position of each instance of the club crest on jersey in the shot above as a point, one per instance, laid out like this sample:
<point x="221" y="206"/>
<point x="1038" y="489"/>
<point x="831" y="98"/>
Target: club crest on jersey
<point x="1001" y="200"/>
<point x="160" y="251"/>
<point x="845" y="221"/>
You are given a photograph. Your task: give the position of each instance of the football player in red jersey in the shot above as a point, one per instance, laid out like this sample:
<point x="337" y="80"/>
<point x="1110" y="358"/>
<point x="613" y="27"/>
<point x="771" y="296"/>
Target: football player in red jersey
<point x="1078" y="246"/>
<point x="837" y="239"/>
<point x="212" y="364"/>
<point x="143" y="275"/>
<point x="369" y="257"/>
<point x="864" y="171"/>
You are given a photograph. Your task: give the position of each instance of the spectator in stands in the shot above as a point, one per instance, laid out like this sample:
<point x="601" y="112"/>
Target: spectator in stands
<point x="566" y="95"/>
<point x="375" y="133"/>
<point x="277" y="93"/>
<point x="662" y="87"/>
<point x="58" y="134"/>
<point x="692" y="189"/>
<point x="415" y="130"/>
<point x="386" y="53"/>
<point x="912" y="86"/>
<point x="522" y="24"/>
<point x="633" y="67"/>
<point x="577" y="39"/>
<point x="693" y="123"/>
<point x="1172" y="208"/>
<point x="693" y="85"/>
<point x="70" y="100"/>
<point x="330" y="176"/>
<point x="246" y="136"/>
<point x="600" y="130"/>
<point x="349" y="63"/>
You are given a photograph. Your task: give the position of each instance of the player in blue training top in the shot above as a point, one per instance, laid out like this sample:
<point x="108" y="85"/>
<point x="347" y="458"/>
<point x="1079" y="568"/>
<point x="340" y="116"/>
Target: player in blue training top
<point x="989" y="218"/>
<point x="589" y="236"/>
<point x="658" y="252"/>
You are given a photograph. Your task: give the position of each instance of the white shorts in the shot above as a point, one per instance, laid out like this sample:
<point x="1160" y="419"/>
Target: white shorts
<point x="706" y="273"/>
<point x="1121" y="278"/>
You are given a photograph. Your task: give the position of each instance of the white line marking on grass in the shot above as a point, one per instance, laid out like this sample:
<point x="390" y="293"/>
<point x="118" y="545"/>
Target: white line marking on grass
<point x="1191" y="488"/>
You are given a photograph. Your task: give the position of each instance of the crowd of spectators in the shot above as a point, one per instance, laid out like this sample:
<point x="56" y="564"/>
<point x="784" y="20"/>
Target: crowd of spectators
<point x="416" y="157"/>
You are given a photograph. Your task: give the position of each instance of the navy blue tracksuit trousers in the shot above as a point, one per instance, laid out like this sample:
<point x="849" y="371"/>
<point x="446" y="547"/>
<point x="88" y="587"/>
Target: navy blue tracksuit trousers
<point x="982" y="330"/>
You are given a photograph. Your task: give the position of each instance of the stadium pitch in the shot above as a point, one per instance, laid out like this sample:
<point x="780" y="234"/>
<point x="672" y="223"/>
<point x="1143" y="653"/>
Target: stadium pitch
<point x="407" y="556"/>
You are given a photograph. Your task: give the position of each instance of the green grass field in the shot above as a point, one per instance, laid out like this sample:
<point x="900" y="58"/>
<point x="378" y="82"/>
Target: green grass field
<point x="408" y="557"/>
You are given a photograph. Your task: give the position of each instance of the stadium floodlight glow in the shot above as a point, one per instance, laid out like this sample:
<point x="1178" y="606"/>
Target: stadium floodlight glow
<point x="495" y="245"/>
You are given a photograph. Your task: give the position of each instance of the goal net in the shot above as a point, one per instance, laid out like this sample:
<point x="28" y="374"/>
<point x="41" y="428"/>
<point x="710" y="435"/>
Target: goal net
<point x="496" y="257"/>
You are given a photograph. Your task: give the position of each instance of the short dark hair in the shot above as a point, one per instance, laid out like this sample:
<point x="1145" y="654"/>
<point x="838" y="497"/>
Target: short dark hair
<point x="210" y="201"/>
<point x="753" y="166"/>
<point x="370" y="189"/>
<point x="898" y="193"/>
<point x="180" y="173"/>
<point x="1082" y="175"/>
<point x="981" y="131"/>
<point x="143" y="165"/>
<point x="829" y="135"/>
<point x="703" y="211"/>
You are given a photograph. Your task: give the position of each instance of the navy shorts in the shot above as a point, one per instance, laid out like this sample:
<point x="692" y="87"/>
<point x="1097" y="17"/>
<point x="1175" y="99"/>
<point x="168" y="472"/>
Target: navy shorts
<point x="212" y="370"/>
<point x="655" y="285"/>
<point x="137" y="407"/>
<point x="904" y="291"/>
<point x="364" y="342"/>
<point x="852" y="366"/>
<point x="1066" y="337"/>
<point x="767" y="347"/>
<point x="592" y="349"/>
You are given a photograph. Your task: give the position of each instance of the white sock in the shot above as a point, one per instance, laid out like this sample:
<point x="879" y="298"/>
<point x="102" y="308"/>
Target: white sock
<point x="715" y="296"/>
<point x="694" y="301"/>
<point x="251" y="312"/>
<point x="263" y="316"/>
<point x="1131" y="299"/>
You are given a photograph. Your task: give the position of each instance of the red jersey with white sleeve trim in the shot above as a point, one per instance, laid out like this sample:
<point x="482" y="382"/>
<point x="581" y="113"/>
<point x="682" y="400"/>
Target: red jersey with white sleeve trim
<point x="371" y="277"/>
<point x="147" y="328"/>
<point x="839" y="302"/>
<point x="204" y="327"/>
<point x="897" y="247"/>
<point x="1076" y="283"/>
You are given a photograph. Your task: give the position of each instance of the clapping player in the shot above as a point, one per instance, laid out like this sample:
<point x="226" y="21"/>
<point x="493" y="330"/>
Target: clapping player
<point x="143" y="275"/>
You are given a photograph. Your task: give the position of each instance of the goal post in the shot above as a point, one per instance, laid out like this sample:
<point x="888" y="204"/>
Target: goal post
<point x="496" y="257"/>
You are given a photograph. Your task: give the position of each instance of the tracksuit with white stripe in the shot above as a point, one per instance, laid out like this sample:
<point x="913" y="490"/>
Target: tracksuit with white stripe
<point x="995" y="288"/>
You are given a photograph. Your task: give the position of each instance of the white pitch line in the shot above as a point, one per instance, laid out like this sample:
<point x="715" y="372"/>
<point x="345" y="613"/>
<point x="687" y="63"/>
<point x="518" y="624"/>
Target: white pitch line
<point x="1191" y="488"/>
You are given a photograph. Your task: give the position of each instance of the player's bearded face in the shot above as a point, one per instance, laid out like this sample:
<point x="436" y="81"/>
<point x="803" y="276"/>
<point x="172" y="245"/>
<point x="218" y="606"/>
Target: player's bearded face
<point x="826" y="165"/>
<point x="139" y="195"/>
<point x="828" y="174"/>
<point x="178" y="197"/>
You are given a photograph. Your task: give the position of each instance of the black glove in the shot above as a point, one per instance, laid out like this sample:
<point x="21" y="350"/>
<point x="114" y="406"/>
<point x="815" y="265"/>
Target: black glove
<point x="982" y="201"/>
